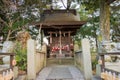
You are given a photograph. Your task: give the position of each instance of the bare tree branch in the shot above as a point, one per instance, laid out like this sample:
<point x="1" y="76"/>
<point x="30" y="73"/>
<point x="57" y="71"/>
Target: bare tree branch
<point x="1" y="20"/>
<point x="16" y="19"/>
<point x="11" y="37"/>
<point x="16" y="30"/>
<point x="63" y="4"/>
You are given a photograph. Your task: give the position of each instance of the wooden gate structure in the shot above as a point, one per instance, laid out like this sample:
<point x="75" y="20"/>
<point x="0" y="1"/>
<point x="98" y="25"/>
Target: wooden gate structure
<point x="60" y="26"/>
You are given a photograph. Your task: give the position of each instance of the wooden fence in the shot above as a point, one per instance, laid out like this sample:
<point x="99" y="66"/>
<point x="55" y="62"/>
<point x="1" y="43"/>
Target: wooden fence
<point x="7" y="73"/>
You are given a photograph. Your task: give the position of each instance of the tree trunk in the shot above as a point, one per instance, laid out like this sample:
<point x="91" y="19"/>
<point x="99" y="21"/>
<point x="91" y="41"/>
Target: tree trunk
<point x="8" y="35"/>
<point x="105" y="20"/>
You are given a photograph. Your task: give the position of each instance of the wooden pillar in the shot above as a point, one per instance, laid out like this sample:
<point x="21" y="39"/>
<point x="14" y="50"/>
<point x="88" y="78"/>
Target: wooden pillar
<point x="69" y="39"/>
<point x="50" y="42"/>
<point x="60" y="51"/>
<point x="11" y="59"/>
<point x="103" y="62"/>
<point x="50" y="38"/>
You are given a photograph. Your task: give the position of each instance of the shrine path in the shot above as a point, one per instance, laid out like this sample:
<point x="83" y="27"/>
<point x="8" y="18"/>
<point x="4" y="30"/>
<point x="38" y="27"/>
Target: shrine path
<point x="61" y="72"/>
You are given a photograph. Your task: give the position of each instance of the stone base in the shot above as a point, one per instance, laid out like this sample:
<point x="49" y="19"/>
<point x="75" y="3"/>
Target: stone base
<point x="60" y="56"/>
<point x="15" y="70"/>
<point x="22" y="77"/>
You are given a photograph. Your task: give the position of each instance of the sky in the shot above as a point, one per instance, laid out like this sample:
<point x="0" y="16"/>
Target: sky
<point x="59" y="2"/>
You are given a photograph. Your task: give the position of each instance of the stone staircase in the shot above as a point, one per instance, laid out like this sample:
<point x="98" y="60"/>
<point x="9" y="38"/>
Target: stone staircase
<point x="60" y="61"/>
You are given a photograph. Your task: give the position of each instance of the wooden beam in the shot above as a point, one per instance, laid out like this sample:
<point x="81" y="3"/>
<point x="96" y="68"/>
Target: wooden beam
<point x="12" y="54"/>
<point x="48" y="30"/>
<point x="64" y="23"/>
<point x="11" y="58"/>
<point x="60" y="23"/>
<point x="61" y="32"/>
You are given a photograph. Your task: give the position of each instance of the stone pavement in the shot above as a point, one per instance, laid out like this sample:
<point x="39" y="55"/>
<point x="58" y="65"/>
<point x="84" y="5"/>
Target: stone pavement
<point x="96" y="78"/>
<point x="61" y="72"/>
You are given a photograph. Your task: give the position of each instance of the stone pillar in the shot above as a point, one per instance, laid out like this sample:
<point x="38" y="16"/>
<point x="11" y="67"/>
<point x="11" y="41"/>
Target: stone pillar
<point x="31" y="70"/>
<point x="98" y="70"/>
<point x="44" y="50"/>
<point x="87" y="67"/>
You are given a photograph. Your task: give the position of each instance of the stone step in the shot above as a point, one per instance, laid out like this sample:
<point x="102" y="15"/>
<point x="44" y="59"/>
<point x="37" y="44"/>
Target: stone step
<point x="60" y="61"/>
<point x="59" y="79"/>
<point x="60" y="72"/>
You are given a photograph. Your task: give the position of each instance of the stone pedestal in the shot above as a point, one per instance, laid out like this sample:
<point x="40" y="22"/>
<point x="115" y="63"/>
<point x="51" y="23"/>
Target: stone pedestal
<point x="15" y="70"/>
<point x="98" y="70"/>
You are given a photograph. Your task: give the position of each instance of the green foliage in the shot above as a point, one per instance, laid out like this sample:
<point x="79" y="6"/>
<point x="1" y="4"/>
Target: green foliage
<point x="89" y="29"/>
<point x="115" y="17"/>
<point x="21" y="57"/>
<point x="88" y="11"/>
<point x="90" y="5"/>
<point x="1" y="62"/>
<point x="94" y="63"/>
